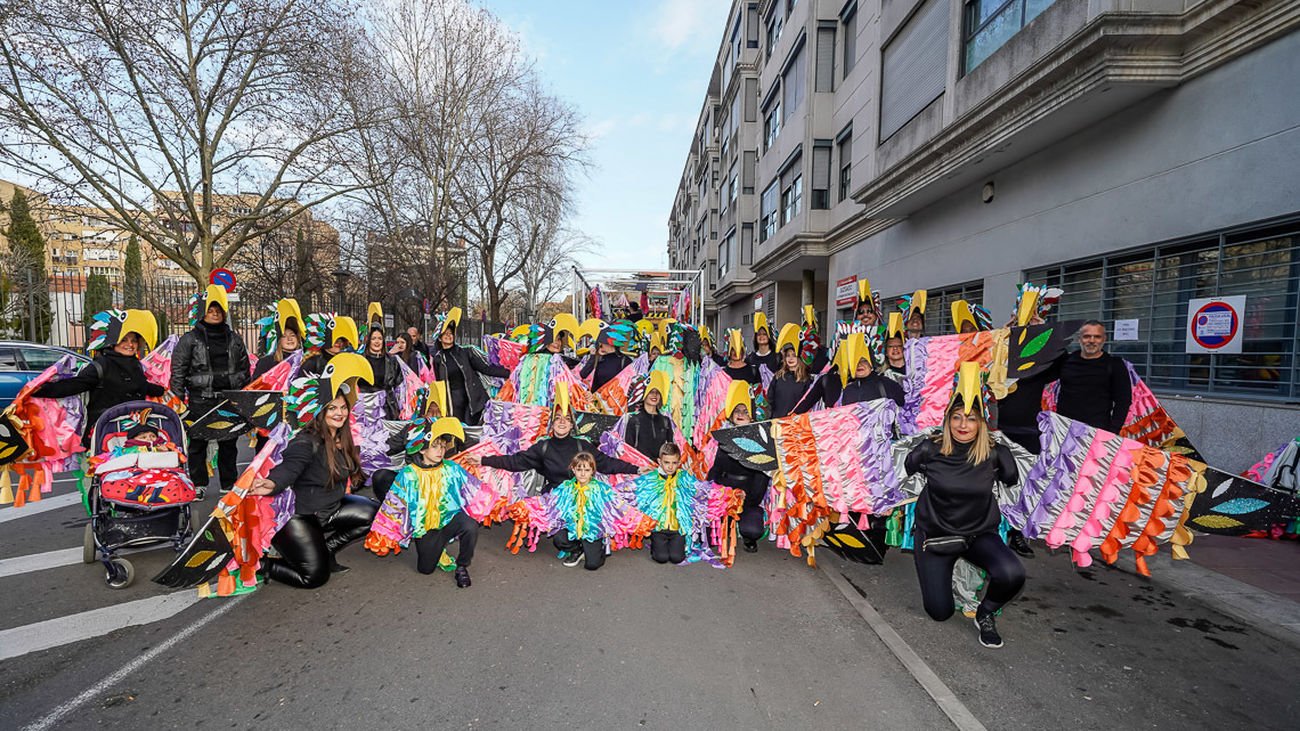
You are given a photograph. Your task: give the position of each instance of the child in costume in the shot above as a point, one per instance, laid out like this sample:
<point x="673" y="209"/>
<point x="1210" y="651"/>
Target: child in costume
<point x="432" y="501"/>
<point x="584" y="505"/>
<point x="667" y="495"/>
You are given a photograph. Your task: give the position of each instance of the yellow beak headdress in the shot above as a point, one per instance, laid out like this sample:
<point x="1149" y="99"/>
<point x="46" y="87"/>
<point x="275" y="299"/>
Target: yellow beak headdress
<point x="658" y="382"/>
<point x="562" y="406"/>
<point x="216" y="295"/>
<point x="789" y="338"/>
<point x="110" y="327"/>
<point x="590" y="328"/>
<point x="424" y="431"/>
<point x="760" y="323"/>
<point x="867" y="297"/>
<point x="809" y="317"/>
<point x="961" y="315"/>
<point x="969" y="389"/>
<point x="438" y="396"/>
<point x="738" y="395"/>
<point x="852" y="351"/>
<point x="895" y="327"/>
<point x="341" y="375"/>
<point x="345" y="328"/>
<point x="519" y="333"/>
<point x="375" y="316"/>
<point x="735" y="344"/>
<point x="288" y="316"/>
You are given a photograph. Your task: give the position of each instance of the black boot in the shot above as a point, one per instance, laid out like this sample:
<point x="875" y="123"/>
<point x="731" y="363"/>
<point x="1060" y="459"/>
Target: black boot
<point x="750" y="546"/>
<point x="336" y="567"/>
<point x="462" y="577"/>
<point x="1016" y="542"/>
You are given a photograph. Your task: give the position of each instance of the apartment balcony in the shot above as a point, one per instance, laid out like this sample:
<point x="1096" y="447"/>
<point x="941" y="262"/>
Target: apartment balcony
<point x="1075" y="64"/>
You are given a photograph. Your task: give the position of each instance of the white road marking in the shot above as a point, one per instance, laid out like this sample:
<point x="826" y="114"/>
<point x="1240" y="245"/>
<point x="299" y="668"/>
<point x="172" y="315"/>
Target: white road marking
<point x="943" y="696"/>
<point x="60" y="631"/>
<point x="51" y="719"/>
<point x="56" y="559"/>
<point x="40" y="506"/>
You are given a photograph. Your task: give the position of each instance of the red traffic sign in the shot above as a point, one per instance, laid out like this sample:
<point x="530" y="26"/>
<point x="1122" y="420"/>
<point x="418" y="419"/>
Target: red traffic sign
<point x="1215" y="324"/>
<point x="223" y="277"/>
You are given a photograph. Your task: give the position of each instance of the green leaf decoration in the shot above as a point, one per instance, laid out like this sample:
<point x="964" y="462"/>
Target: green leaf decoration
<point x="1035" y="345"/>
<point x="1219" y="522"/>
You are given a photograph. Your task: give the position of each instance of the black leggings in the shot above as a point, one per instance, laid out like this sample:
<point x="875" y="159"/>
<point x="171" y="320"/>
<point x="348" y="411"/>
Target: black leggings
<point x="227" y="469"/>
<point x="987" y="551"/>
<point x="593" y="552"/>
<point x="305" y="548"/>
<point x="381" y="481"/>
<point x="667" y="546"/>
<point x="429" y="547"/>
<point x="751" y="521"/>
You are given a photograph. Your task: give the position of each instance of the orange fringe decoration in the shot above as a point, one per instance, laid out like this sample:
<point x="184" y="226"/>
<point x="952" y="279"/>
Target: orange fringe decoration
<point x="1146" y="464"/>
<point x="1179" y="472"/>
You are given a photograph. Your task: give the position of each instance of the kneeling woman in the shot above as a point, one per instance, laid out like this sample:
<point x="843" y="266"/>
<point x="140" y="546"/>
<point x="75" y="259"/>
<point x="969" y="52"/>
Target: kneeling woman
<point x="319" y="464"/>
<point x="957" y="513"/>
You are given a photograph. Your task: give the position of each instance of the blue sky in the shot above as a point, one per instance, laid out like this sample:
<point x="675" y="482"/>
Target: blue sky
<point x="637" y="70"/>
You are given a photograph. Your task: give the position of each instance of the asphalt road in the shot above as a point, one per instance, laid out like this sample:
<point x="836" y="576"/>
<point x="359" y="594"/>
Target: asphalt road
<point x="769" y="643"/>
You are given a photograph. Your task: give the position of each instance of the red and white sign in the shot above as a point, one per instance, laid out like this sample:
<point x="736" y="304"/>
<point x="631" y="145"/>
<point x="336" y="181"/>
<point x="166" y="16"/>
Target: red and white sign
<point x="758" y="303"/>
<point x="846" y="291"/>
<point x="1214" y="324"/>
<point x="223" y="277"/>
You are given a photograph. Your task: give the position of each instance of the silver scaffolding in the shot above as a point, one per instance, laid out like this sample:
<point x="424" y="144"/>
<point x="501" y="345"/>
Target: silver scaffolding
<point x="671" y="282"/>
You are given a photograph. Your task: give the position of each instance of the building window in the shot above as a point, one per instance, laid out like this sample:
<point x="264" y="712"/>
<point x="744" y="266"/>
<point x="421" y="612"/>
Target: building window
<point x="849" y="21"/>
<point x="772" y="125"/>
<point x="914" y="67"/>
<point x="1153" y="285"/>
<point x="724" y="254"/>
<point x="846" y="162"/>
<point x="774" y="23"/>
<point x="767" y="211"/>
<point x="733" y="187"/>
<point x="821" y="175"/>
<point x="989" y="24"/>
<point x="792" y="83"/>
<point x="825" y="80"/>
<point x="791" y="198"/>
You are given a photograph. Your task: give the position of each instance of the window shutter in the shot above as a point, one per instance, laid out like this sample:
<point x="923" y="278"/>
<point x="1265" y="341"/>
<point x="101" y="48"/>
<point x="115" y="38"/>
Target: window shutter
<point x="821" y="172"/>
<point x="747" y="170"/>
<point x="915" y="64"/>
<point x="825" y="59"/>
<point x="751" y="100"/>
<point x="793" y="85"/>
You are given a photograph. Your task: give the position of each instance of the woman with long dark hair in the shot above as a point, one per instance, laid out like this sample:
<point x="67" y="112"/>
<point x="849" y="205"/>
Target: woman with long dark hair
<point x="792" y="381"/>
<point x="957" y="514"/>
<point x="319" y="464"/>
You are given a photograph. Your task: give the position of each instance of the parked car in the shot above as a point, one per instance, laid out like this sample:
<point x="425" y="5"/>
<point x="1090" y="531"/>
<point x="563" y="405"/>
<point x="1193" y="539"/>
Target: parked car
<point x="21" y="361"/>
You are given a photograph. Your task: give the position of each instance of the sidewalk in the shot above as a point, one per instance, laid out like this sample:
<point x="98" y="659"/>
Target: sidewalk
<point x="1255" y="580"/>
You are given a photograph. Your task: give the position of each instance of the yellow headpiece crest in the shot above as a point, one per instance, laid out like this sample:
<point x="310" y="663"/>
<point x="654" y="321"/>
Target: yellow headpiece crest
<point x="346" y="328"/>
<point x="961" y="314"/>
<point x="738" y="395"/>
<point x="789" y="338"/>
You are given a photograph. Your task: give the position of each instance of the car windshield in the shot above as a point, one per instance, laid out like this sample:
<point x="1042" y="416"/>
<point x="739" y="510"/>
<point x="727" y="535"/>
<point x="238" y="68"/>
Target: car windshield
<point x="38" y="359"/>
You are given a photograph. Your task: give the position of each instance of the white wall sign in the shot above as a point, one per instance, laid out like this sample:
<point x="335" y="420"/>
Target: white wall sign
<point x="1215" y="324"/>
<point x="1126" y="330"/>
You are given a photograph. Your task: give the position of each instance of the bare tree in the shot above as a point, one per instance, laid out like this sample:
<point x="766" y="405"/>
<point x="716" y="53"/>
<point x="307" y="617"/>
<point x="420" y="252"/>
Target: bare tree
<point x="549" y="272"/>
<point x="155" y="109"/>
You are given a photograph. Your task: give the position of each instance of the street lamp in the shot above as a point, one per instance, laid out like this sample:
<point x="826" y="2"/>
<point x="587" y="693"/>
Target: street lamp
<point x="341" y="284"/>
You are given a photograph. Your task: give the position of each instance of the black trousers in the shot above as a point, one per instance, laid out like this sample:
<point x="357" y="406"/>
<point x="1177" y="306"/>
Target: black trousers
<point x="987" y="551"/>
<point x="667" y="546"/>
<point x="593" y="552"/>
<point x="751" y="521"/>
<point x="429" y="547"/>
<point x="381" y="481"/>
<point x="227" y="470"/>
<point x="306" y="542"/>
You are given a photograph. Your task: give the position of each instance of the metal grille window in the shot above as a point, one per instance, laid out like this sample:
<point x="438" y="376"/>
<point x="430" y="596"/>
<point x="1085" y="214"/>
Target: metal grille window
<point x="914" y="66"/>
<point x="989" y="24"/>
<point x="1153" y="286"/>
<point x="938" y="306"/>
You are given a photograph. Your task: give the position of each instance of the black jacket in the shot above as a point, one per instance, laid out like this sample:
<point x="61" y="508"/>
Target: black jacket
<point x="1097" y="392"/>
<point x="550" y="456"/>
<point x="958" y="498"/>
<point x="193" y="376"/>
<point x="460" y="367"/>
<point x="874" y="386"/>
<point x="726" y="470"/>
<point x="772" y="360"/>
<point x="784" y="392"/>
<point x="605" y="368"/>
<point x="748" y="373"/>
<point x="304" y="468"/>
<point x="111" y="379"/>
<point x="648" y="432"/>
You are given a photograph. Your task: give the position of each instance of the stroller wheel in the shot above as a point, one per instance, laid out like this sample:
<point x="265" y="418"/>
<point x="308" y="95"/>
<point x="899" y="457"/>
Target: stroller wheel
<point x="88" y="545"/>
<point x="120" y="573"/>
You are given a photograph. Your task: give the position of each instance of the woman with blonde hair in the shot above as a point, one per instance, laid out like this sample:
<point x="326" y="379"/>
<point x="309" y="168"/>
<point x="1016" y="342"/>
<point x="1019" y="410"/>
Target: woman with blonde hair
<point x="957" y="513"/>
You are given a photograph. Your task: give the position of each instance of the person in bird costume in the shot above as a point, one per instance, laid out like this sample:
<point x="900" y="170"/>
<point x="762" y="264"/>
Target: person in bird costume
<point x="329" y="334"/>
<point x="460" y="367"/>
<point x="727" y="470"/>
<point x="385" y="366"/>
<point x="786" y="392"/>
<point x="764" y="352"/>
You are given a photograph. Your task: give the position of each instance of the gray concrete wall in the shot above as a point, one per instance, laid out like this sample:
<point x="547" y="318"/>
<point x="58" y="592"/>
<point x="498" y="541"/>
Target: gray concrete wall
<point x="1218" y="151"/>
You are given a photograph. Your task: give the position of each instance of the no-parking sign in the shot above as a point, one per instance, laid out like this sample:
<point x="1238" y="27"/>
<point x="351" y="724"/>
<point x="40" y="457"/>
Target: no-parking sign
<point x="1215" y="324"/>
<point x="223" y="278"/>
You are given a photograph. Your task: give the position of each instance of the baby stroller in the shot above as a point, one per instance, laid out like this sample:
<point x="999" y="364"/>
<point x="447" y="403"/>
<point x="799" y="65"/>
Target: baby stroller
<point x="139" y="491"/>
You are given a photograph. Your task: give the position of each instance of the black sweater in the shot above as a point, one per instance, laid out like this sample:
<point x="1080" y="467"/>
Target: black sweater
<point x="958" y="498"/>
<point x="1097" y="391"/>
<point x="747" y="373"/>
<point x="122" y="380"/>
<point x="550" y="456"/>
<point x="1018" y="412"/>
<point x="304" y="468"/>
<point x="873" y="386"/>
<point x="648" y="432"/>
<point x="785" y="392"/>
<point x="605" y="368"/>
<point x="460" y="367"/>
<point x="772" y="360"/>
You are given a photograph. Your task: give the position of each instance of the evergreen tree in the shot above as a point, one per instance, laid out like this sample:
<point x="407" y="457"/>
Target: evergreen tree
<point x="29" y="277"/>
<point x="133" y="277"/>
<point x="99" y="296"/>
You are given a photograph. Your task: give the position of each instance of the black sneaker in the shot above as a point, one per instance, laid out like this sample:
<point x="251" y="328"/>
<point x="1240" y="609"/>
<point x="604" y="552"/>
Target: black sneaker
<point x="751" y="546"/>
<point x="1016" y="542"/>
<point x="462" y="578"/>
<point x="336" y="567"/>
<point x="989" y="636"/>
<point x="200" y="493"/>
<point x="571" y="558"/>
